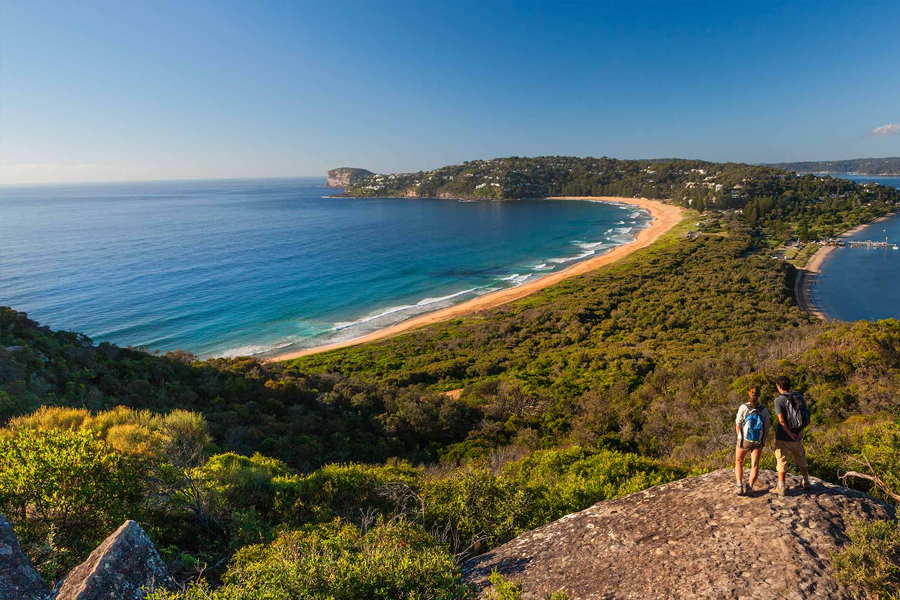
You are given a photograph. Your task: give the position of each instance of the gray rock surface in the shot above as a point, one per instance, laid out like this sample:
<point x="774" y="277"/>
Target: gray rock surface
<point x="692" y="538"/>
<point x="344" y="176"/>
<point x="18" y="579"/>
<point x="124" y="567"/>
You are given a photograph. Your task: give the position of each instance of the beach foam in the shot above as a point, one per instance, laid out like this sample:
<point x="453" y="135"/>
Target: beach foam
<point x="590" y="245"/>
<point x="565" y="259"/>
<point x="517" y="279"/>
<point x="253" y="350"/>
<point x="404" y="307"/>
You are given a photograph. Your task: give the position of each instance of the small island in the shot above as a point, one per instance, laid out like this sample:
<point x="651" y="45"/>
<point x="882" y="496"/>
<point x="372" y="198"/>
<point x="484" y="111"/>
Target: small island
<point x="345" y="176"/>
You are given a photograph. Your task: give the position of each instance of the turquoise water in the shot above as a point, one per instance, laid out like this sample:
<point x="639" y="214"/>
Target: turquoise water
<point x="863" y="283"/>
<point x="224" y="268"/>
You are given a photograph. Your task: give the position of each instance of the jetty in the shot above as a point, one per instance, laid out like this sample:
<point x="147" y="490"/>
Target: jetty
<point x="870" y="244"/>
<point x="859" y="243"/>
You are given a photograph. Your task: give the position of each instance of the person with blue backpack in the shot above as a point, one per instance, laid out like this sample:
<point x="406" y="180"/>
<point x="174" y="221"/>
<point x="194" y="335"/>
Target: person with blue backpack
<point x="751" y="425"/>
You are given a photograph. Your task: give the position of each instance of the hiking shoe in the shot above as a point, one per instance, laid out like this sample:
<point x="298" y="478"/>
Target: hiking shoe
<point x="738" y="489"/>
<point x="748" y="489"/>
<point x="778" y="490"/>
<point x="805" y="483"/>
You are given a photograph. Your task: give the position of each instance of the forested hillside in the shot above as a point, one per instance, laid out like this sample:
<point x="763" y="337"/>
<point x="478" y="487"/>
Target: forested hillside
<point x="859" y="166"/>
<point x="695" y="183"/>
<point x="353" y="474"/>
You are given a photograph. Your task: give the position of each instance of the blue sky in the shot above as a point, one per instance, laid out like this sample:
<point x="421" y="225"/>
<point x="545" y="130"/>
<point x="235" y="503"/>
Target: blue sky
<point x="167" y="90"/>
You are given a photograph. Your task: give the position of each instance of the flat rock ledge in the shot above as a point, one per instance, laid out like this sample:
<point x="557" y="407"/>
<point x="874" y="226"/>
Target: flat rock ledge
<point x="18" y="578"/>
<point x="691" y="538"/>
<point x="126" y="566"/>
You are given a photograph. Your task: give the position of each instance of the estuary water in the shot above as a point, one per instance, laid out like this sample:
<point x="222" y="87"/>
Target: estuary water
<point x="227" y="268"/>
<point x="863" y="283"/>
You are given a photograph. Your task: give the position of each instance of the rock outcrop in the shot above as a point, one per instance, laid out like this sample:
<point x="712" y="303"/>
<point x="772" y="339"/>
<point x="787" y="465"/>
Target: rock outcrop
<point x="344" y="176"/>
<point x="18" y="579"/>
<point x="124" y="567"/>
<point x="688" y="539"/>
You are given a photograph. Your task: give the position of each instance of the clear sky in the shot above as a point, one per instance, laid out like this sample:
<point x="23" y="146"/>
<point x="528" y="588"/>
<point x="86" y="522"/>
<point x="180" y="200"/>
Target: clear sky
<point x="167" y="90"/>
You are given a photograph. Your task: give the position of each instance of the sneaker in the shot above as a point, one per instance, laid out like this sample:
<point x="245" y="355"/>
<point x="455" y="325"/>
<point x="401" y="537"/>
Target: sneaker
<point x="806" y="483"/>
<point x="738" y="489"/>
<point x="748" y="489"/>
<point x="779" y="490"/>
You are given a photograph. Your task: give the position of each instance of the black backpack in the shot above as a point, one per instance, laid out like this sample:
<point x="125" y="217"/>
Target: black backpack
<point x="796" y="414"/>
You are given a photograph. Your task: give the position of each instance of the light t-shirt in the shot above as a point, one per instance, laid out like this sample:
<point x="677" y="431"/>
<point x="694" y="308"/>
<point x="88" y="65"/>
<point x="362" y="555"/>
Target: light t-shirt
<point x="745" y="409"/>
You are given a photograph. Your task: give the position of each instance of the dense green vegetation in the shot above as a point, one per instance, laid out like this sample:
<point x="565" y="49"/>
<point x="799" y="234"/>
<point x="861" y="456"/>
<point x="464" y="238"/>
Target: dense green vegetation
<point x="353" y="474"/>
<point x="202" y="508"/>
<point x="305" y="420"/>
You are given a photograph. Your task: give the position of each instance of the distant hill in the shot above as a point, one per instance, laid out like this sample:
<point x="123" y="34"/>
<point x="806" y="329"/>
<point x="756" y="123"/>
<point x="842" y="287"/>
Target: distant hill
<point x="855" y="166"/>
<point x="697" y="184"/>
<point x="542" y="176"/>
<point x="344" y="176"/>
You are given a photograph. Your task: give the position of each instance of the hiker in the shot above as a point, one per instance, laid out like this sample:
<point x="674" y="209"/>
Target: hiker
<point x="752" y="424"/>
<point x="793" y="417"/>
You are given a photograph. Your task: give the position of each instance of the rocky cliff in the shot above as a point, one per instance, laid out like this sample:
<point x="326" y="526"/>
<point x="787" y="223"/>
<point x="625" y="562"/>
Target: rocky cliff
<point x="344" y="176"/>
<point x="688" y="539"/>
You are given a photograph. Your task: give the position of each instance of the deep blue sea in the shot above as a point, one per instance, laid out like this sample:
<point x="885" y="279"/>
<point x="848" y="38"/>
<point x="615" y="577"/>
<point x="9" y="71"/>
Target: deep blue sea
<point x="225" y="268"/>
<point x="862" y="283"/>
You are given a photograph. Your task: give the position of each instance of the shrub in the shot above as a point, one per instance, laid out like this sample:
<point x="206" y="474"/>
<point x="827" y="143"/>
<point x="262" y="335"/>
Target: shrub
<point x="64" y="491"/>
<point x="870" y="563"/>
<point x="502" y="589"/>
<point x="484" y="510"/>
<point x="336" y="561"/>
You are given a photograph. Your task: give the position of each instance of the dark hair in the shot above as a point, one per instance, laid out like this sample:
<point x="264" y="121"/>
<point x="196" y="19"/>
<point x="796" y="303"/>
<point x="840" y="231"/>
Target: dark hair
<point x="783" y="382"/>
<point x="754" y="392"/>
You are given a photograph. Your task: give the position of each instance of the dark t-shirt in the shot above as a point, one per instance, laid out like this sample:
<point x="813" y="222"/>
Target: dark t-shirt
<point x="781" y="409"/>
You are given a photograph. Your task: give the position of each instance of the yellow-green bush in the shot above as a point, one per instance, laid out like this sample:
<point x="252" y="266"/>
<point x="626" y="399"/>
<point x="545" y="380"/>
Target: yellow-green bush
<point x="337" y="561"/>
<point x="64" y="491"/>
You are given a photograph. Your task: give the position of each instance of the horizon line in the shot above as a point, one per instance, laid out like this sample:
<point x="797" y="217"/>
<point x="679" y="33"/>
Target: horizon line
<point x="176" y="180"/>
<point x="261" y="178"/>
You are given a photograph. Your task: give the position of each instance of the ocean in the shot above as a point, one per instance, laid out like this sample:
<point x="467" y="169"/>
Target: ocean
<point x="862" y="283"/>
<point x="240" y="267"/>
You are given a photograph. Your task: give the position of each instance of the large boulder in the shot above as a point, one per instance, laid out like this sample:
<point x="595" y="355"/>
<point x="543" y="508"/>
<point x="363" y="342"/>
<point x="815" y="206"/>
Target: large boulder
<point x="18" y="579"/>
<point x="126" y="566"/>
<point x="692" y="538"/>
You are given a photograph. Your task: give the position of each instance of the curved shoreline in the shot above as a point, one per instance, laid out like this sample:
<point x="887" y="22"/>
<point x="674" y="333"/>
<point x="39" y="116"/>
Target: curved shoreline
<point x="664" y="217"/>
<point x="806" y="277"/>
<point x="804" y="283"/>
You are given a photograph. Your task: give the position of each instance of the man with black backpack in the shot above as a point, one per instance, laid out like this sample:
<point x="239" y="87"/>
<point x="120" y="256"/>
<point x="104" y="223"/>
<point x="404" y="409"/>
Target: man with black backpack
<point x="793" y="417"/>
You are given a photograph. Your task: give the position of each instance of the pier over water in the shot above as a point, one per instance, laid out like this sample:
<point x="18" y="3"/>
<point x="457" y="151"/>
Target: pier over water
<point x="870" y="244"/>
<point x="861" y="244"/>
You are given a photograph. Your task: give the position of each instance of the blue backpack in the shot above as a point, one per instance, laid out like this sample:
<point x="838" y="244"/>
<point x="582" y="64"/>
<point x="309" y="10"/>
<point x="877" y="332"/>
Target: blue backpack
<point x="752" y="427"/>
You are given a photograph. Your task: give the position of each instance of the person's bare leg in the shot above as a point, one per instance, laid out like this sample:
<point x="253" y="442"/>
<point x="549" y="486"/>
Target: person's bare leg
<point x="739" y="455"/>
<point x="781" y="479"/>
<point x="754" y="465"/>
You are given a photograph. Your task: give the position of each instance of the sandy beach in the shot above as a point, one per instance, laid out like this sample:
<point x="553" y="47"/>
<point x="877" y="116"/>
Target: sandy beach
<point x="804" y="284"/>
<point x="806" y="276"/>
<point x="665" y="216"/>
